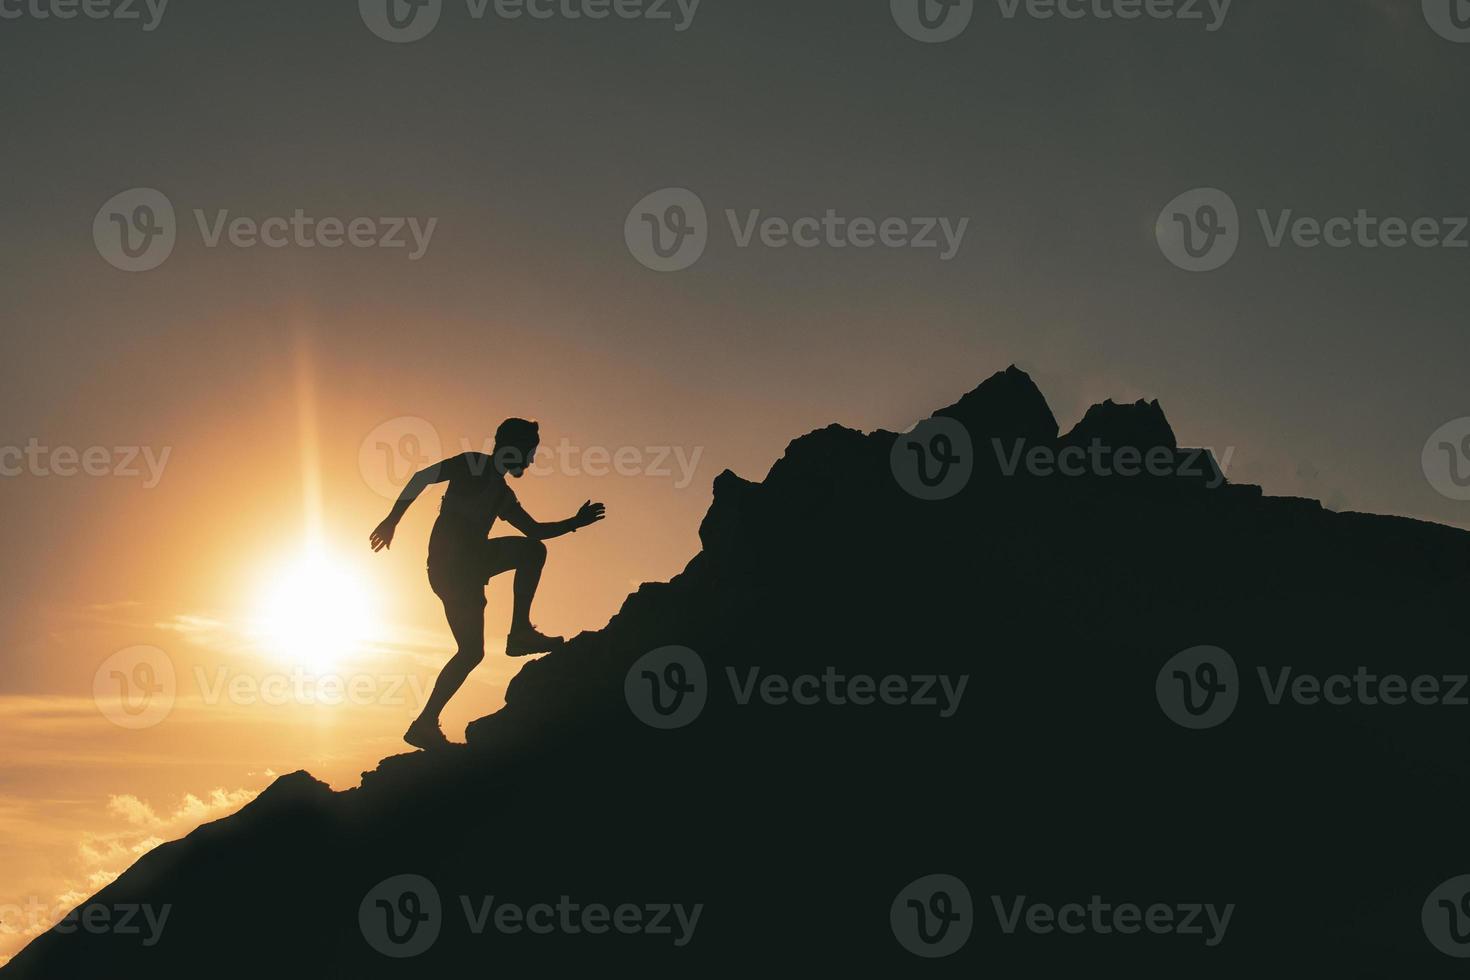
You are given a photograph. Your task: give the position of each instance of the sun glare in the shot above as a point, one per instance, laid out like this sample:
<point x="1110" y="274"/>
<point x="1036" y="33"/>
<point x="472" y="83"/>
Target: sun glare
<point x="315" y="611"/>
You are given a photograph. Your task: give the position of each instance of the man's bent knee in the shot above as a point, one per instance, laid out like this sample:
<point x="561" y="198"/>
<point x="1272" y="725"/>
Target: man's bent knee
<point x="471" y="656"/>
<point x="535" y="550"/>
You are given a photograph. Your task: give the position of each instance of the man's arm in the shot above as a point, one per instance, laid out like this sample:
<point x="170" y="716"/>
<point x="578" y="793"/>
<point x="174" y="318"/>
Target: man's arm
<point x="515" y="515"/>
<point x="382" y="536"/>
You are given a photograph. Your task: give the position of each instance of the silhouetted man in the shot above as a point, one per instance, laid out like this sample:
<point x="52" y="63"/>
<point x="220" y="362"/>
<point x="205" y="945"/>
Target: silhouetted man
<point x="463" y="558"/>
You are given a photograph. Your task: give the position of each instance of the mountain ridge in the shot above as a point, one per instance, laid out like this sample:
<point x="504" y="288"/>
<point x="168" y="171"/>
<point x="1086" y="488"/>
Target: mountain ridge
<point x="831" y="563"/>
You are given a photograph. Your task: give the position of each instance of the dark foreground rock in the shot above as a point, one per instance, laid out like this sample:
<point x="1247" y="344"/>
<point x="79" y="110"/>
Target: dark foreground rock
<point x="1052" y="777"/>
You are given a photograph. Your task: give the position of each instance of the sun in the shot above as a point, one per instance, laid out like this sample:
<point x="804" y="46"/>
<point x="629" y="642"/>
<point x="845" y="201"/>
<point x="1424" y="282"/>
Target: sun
<point x="315" y="611"/>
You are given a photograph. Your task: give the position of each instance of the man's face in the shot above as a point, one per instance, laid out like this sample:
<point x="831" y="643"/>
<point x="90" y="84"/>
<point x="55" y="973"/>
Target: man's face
<point x="515" y="459"/>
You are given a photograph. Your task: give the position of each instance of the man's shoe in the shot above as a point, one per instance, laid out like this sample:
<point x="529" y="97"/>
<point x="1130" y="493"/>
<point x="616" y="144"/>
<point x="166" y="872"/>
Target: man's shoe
<point x="524" y="642"/>
<point x="426" y="735"/>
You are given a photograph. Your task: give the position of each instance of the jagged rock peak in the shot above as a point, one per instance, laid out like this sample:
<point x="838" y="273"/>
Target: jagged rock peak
<point x="1006" y="405"/>
<point x="1141" y="425"/>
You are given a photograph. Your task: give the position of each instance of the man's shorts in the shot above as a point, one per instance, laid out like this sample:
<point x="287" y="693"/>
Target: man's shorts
<point x="461" y="579"/>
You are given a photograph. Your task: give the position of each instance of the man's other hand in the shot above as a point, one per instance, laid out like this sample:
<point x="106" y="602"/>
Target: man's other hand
<point x="382" y="536"/>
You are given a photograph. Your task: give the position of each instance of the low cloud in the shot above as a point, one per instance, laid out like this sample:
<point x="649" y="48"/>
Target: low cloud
<point x="103" y="855"/>
<point x="191" y="811"/>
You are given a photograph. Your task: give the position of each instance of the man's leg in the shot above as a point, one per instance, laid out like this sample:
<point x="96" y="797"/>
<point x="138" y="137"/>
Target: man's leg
<point x="466" y="617"/>
<point x="528" y="557"/>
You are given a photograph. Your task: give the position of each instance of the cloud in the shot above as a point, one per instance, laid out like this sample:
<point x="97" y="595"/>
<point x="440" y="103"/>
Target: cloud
<point x="103" y="607"/>
<point x="103" y="855"/>
<point x="191" y="811"/>
<point x="132" y="809"/>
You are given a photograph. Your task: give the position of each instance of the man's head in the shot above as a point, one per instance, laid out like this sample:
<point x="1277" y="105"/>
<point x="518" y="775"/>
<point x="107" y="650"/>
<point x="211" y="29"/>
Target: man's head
<point x="515" y="445"/>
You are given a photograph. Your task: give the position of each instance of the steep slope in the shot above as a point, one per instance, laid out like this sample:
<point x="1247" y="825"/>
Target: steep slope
<point x="992" y="679"/>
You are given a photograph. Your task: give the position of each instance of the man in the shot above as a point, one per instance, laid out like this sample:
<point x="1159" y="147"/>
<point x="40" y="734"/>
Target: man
<point x="463" y="558"/>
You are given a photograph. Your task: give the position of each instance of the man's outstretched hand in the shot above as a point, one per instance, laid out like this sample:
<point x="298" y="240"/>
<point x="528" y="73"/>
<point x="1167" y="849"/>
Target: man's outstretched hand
<point x="590" y="513"/>
<point x="382" y="536"/>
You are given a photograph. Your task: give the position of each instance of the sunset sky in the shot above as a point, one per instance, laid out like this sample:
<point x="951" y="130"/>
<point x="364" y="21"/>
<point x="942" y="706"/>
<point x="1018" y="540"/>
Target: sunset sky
<point x="253" y="390"/>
